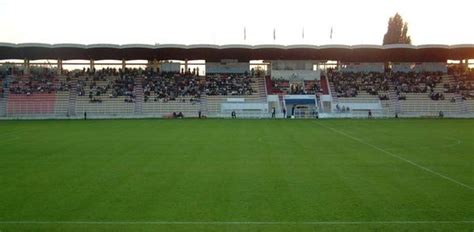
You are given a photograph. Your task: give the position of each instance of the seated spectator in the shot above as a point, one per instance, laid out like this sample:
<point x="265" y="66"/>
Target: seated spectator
<point x="228" y="85"/>
<point x="348" y="84"/>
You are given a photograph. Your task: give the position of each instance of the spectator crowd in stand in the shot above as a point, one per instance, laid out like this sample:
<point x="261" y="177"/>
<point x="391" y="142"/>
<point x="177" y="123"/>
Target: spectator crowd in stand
<point x="463" y="84"/>
<point x="415" y="82"/>
<point x="163" y="87"/>
<point x="117" y="83"/>
<point x="301" y="87"/>
<point x="168" y="87"/>
<point x="228" y="84"/>
<point x="113" y="83"/>
<point x="38" y="81"/>
<point x="412" y="82"/>
<point x="349" y="84"/>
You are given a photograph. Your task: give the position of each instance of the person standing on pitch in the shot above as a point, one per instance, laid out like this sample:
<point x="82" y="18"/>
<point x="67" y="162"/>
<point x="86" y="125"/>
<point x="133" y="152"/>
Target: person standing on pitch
<point x="273" y="112"/>
<point x="85" y="115"/>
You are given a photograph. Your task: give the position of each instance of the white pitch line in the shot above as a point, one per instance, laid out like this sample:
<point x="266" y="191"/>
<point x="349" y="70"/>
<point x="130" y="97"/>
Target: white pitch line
<point x="454" y="144"/>
<point x="229" y="222"/>
<point x="397" y="156"/>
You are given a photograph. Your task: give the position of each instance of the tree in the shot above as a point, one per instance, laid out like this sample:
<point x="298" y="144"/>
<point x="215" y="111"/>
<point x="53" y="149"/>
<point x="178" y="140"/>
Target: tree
<point x="397" y="31"/>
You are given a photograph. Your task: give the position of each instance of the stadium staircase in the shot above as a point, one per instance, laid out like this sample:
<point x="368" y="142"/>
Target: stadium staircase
<point x="139" y="95"/>
<point x="332" y="90"/>
<point x="262" y="89"/>
<point x="394" y="102"/>
<point x="71" y="110"/>
<point x="461" y="104"/>
<point x="268" y="85"/>
<point x="325" y="85"/>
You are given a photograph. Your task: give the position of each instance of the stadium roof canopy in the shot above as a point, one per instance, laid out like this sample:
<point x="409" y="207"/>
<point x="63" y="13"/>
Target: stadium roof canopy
<point x="209" y="52"/>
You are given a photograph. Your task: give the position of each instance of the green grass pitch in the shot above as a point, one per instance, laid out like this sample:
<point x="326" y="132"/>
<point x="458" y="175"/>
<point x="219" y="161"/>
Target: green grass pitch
<point x="237" y="175"/>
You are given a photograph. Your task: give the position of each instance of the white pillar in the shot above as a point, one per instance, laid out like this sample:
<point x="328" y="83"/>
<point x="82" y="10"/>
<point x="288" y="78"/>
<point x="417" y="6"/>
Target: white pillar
<point x="26" y="66"/>
<point x="269" y="69"/>
<point x="60" y="66"/>
<point x="186" y="66"/>
<point x="151" y="64"/>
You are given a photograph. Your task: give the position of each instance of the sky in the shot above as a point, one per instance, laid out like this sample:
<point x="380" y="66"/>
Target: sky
<point x="223" y="22"/>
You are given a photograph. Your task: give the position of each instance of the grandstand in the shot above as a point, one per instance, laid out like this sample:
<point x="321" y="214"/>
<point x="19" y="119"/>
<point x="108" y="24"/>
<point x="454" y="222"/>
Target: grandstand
<point x="236" y="175"/>
<point x="364" y="79"/>
<point x="106" y="96"/>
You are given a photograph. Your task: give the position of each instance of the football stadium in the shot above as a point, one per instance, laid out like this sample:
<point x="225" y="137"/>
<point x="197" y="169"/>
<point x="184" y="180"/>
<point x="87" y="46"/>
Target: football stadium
<point x="236" y="137"/>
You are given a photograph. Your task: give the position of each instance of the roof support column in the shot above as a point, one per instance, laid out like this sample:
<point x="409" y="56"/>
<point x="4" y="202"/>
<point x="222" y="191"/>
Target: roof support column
<point x="26" y="66"/>
<point x="124" y="64"/>
<point x="91" y="65"/>
<point x="60" y="66"/>
<point x="462" y="64"/>
<point x="186" y="66"/>
<point x="153" y="65"/>
<point x="156" y="66"/>
<point x="269" y="69"/>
